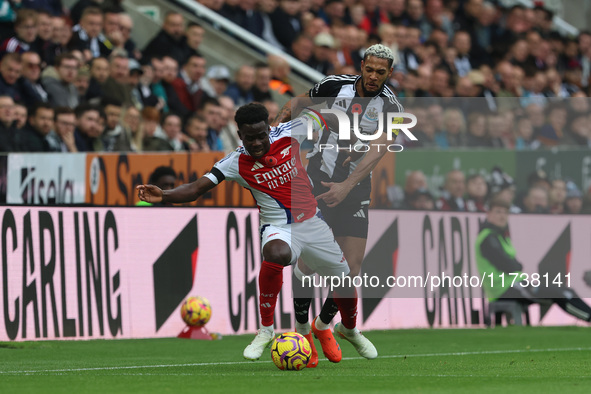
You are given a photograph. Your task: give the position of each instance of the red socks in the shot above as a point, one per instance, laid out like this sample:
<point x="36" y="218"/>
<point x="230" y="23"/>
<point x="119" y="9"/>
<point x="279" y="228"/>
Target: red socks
<point x="270" y="282"/>
<point x="347" y="306"/>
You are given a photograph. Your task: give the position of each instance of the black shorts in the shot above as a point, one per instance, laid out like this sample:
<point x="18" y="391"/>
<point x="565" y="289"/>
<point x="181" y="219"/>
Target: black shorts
<point x="348" y="219"/>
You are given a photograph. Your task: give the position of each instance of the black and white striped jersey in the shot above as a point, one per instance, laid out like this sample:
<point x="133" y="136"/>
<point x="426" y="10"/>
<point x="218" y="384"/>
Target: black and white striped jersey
<point x="338" y="92"/>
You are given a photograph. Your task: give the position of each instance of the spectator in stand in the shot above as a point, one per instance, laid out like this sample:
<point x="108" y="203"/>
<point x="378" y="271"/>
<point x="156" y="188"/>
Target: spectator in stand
<point x="60" y="89"/>
<point x="557" y="196"/>
<point x="579" y="133"/>
<point x="25" y="27"/>
<point x="88" y="38"/>
<point x="8" y="128"/>
<point x="286" y="22"/>
<point x="151" y="141"/>
<point x="262" y="78"/>
<point x="324" y="54"/>
<point x="502" y="187"/>
<point x="99" y="73"/>
<point x="61" y="138"/>
<point x="401" y="198"/>
<point x="216" y="80"/>
<point x="116" y="86"/>
<point x="452" y="196"/>
<point x="44" y="32"/>
<point x="157" y="87"/>
<point x="143" y="91"/>
<point x="21" y="114"/>
<point x="187" y="85"/>
<point x="477" y="136"/>
<point x="193" y="39"/>
<point x="244" y="14"/>
<point x="88" y="129"/>
<point x="421" y="200"/>
<point x="126" y="26"/>
<point x="279" y="75"/>
<point x="60" y="37"/>
<point x="10" y="72"/>
<point x="266" y="8"/>
<point x="196" y="129"/>
<point x="115" y="137"/>
<point x="476" y="191"/>
<point x="33" y="137"/>
<point x="82" y="83"/>
<point x="132" y="122"/>
<point x="112" y="28"/>
<point x="170" y="39"/>
<point x="333" y="12"/>
<point x="229" y="132"/>
<point x="212" y="113"/>
<point x="31" y="74"/>
<point x="374" y="16"/>
<point x="495" y="124"/>
<point x="171" y="125"/>
<point x="170" y="74"/>
<point x="241" y="91"/>
<point x="573" y="203"/>
<point x="584" y="53"/>
<point x="553" y="132"/>
<point x="78" y="8"/>
<point x="536" y="200"/>
<point x="524" y="131"/>
<point x="440" y="83"/>
<point x="415" y="15"/>
<point x="462" y="43"/>
<point x="273" y="109"/>
<point x="302" y="48"/>
<point x="435" y="18"/>
<point x="454" y="125"/>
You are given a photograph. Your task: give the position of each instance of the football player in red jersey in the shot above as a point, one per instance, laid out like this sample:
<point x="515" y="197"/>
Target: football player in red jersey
<point x="269" y="165"/>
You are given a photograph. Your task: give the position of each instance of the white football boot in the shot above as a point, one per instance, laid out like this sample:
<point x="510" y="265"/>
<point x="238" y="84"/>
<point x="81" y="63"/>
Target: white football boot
<point x="258" y="345"/>
<point x="363" y="346"/>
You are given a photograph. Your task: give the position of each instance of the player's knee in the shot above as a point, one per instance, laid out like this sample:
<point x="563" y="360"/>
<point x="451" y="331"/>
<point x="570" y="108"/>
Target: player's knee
<point x="277" y="252"/>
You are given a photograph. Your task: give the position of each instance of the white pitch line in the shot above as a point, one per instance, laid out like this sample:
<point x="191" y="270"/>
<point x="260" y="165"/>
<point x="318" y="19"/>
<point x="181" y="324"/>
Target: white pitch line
<point x="46" y="371"/>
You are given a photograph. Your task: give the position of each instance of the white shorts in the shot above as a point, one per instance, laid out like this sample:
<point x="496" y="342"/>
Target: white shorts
<point x="313" y="241"/>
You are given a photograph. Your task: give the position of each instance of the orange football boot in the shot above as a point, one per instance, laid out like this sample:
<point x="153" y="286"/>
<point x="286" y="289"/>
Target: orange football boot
<point x="330" y="347"/>
<point x="313" y="362"/>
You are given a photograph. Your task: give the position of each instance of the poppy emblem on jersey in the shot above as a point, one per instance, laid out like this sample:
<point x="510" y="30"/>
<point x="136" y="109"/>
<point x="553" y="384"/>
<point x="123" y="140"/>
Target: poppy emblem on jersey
<point x="356" y="108"/>
<point x="270" y="161"/>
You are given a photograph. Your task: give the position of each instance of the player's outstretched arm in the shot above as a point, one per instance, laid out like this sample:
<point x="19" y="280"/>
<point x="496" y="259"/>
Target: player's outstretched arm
<point x="181" y="194"/>
<point x="339" y="191"/>
<point x="287" y="112"/>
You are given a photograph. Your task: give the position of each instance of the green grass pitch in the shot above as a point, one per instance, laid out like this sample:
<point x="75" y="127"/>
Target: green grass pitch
<point x="512" y="359"/>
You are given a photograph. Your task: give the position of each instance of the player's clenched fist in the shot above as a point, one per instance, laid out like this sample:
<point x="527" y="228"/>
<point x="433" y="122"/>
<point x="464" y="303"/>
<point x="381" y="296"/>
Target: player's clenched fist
<point x="149" y="193"/>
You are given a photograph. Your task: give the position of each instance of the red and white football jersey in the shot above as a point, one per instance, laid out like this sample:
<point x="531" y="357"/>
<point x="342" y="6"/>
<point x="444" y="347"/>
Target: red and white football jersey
<point x="278" y="181"/>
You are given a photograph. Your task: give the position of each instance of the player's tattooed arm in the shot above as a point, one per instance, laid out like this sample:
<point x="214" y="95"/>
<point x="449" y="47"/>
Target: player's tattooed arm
<point x="181" y="194"/>
<point x="292" y="108"/>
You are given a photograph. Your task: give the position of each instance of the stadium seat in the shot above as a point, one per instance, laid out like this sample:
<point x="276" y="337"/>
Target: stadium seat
<point x="512" y="310"/>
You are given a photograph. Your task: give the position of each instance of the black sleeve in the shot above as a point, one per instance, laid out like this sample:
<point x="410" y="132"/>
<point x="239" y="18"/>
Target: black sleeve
<point x="218" y="174"/>
<point x="493" y="251"/>
<point x="328" y="87"/>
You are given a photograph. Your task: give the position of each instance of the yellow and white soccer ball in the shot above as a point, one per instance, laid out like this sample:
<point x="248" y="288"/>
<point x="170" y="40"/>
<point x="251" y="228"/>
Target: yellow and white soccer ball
<point x="196" y="311"/>
<point x="291" y="351"/>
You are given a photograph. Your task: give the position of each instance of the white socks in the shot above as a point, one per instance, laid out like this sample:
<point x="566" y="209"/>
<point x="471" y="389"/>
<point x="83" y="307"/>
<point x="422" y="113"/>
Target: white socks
<point x="302" y="328"/>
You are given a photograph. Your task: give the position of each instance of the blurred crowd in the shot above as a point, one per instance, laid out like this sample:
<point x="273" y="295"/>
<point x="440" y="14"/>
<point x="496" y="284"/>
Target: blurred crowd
<point x="460" y="193"/>
<point x="475" y="73"/>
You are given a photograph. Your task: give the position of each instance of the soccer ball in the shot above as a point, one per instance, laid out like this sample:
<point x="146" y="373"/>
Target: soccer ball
<point x="291" y="351"/>
<point x="196" y="311"/>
